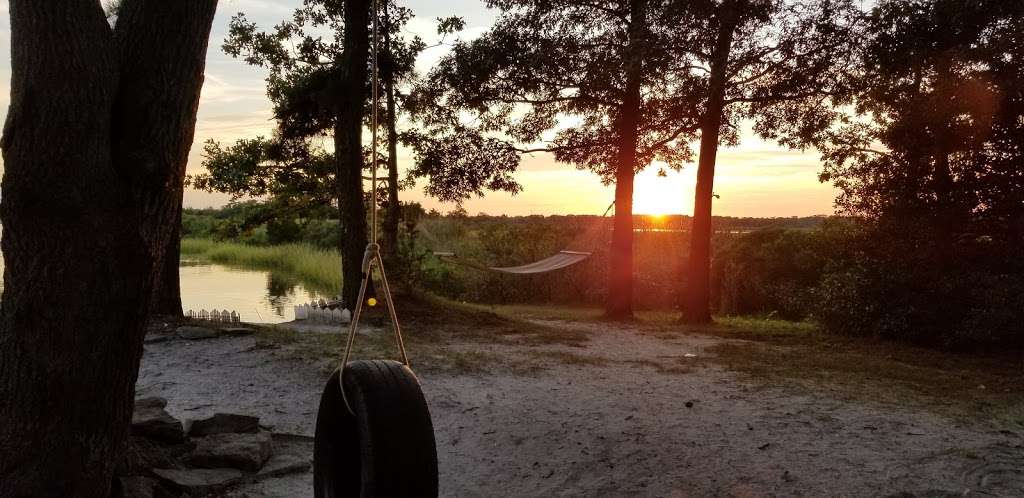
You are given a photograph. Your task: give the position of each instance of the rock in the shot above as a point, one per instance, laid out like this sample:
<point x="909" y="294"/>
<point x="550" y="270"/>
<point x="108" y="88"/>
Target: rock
<point x="280" y="465"/>
<point x="199" y="481"/>
<point x="237" y="330"/>
<point x="222" y="423"/>
<point x="142" y="454"/>
<point x="150" y="420"/>
<point x="154" y="338"/>
<point x="151" y="402"/>
<point x="193" y="333"/>
<point x="137" y="487"/>
<point x="245" y="452"/>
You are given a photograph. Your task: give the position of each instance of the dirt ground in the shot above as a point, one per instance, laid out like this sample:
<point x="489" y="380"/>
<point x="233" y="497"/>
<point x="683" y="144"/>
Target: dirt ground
<point x="620" y="412"/>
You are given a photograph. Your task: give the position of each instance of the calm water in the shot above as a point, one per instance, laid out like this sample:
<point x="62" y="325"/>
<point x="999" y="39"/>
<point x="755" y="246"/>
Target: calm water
<point x="258" y="296"/>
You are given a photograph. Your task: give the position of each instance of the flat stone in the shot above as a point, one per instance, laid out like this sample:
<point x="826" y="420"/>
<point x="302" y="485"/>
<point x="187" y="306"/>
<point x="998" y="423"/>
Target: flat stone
<point x="150" y="420"/>
<point x="222" y="423"/>
<point x="137" y="487"/>
<point x="280" y="465"/>
<point x="151" y="402"/>
<point x="246" y="452"/>
<point x="237" y="330"/>
<point x="199" y="481"/>
<point x="194" y="333"/>
<point x="155" y="338"/>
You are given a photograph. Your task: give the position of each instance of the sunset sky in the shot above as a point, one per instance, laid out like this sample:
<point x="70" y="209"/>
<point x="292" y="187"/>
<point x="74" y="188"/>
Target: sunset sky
<point x="754" y="179"/>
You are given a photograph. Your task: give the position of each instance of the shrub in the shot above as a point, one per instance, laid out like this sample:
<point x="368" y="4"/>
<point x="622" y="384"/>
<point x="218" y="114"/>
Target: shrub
<point x="902" y="282"/>
<point x="773" y="271"/>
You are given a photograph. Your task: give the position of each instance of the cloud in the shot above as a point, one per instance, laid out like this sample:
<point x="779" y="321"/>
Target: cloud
<point x="218" y="90"/>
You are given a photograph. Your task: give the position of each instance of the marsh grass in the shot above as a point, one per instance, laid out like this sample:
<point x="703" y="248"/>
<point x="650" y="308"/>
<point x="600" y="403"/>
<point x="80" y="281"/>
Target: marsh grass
<point x="316" y="268"/>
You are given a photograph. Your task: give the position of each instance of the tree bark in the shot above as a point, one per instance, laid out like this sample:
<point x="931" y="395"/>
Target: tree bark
<point x="93" y="138"/>
<point x="348" y="133"/>
<point x="393" y="213"/>
<point x="696" y="306"/>
<point x="167" y="281"/>
<point x="161" y="78"/>
<point x="619" y="303"/>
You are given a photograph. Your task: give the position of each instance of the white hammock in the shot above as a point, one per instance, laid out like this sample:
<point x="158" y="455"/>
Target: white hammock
<point x="561" y="260"/>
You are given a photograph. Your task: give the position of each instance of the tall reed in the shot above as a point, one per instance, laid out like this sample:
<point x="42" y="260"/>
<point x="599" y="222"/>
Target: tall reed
<point x="317" y="268"/>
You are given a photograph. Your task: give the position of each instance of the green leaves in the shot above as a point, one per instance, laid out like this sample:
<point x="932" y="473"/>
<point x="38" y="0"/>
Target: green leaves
<point x="463" y="164"/>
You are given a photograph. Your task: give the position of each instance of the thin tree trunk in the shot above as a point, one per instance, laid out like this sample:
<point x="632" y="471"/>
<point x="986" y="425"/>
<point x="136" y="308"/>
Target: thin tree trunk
<point x="88" y="159"/>
<point x="619" y="303"/>
<point x="393" y="213"/>
<point x="348" y="133"/>
<point x="696" y="307"/>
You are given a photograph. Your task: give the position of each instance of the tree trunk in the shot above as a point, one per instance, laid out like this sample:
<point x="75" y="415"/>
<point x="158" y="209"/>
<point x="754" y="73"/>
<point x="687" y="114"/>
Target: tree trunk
<point x="393" y="213"/>
<point x="619" y="304"/>
<point x="696" y="307"/>
<point x="348" y="134"/>
<point x="87" y="158"/>
<point x="167" y="282"/>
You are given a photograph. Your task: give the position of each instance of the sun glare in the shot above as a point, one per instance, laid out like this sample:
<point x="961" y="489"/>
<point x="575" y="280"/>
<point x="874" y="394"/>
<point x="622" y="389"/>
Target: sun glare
<point x="660" y="195"/>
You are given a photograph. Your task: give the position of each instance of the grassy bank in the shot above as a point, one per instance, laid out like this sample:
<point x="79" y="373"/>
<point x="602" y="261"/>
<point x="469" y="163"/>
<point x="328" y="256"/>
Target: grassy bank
<point x="316" y="268"/>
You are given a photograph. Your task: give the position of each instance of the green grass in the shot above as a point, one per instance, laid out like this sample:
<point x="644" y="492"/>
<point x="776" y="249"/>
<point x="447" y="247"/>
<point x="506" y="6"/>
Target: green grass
<point x="316" y="268"/>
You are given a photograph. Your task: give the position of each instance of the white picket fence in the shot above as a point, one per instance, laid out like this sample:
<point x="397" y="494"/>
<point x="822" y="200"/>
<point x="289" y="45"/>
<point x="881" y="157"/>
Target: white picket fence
<point x="224" y="316"/>
<point x="318" y="312"/>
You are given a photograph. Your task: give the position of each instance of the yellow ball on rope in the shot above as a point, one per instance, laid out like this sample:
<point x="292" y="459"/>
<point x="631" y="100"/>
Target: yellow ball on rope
<point x="371" y="302"/>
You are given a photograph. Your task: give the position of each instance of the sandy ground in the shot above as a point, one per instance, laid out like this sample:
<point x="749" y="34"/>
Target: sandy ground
<point x="635" y="421"/>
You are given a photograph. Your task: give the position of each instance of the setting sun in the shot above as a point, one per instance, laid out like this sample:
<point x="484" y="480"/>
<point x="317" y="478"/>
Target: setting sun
<point x="661" y="195"/>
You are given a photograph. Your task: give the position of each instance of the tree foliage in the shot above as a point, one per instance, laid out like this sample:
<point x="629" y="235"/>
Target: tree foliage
<point x="930" y="155"/>
<point x="302" y="55"/>
<point x="776" y="64"/>
<point x="550" y="77"/>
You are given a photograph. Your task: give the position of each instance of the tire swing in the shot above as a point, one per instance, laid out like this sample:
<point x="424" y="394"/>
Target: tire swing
<point x="374" y="436"/>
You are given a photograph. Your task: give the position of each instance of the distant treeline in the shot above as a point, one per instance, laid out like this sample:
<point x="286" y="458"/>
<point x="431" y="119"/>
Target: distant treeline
<point x="256" y="223"/>
<point x="841" y="272"/>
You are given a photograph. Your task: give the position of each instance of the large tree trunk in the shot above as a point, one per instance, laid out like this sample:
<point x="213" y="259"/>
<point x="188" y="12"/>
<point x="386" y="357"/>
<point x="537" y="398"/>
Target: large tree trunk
<point x="167" y="283"/>
<point x="348" y="134"/>
<point x="696" y="306"/>
<point x="619" y="304"/>
<point x="393" y="213"/>
<point x="99" y="126"/>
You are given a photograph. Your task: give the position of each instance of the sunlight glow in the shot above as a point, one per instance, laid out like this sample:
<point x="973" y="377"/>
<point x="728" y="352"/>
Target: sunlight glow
<point x="661" y="195"/>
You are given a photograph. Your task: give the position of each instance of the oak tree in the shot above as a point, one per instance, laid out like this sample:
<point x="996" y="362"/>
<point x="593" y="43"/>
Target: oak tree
<point x="95" y="144"/>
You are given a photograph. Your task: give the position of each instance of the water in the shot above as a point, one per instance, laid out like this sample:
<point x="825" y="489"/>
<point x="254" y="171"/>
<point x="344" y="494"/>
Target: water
<point x="257" y="296"/>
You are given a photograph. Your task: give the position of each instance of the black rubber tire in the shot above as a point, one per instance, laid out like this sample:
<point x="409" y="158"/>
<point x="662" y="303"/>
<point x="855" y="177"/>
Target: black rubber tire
<point x="387" y="449"/>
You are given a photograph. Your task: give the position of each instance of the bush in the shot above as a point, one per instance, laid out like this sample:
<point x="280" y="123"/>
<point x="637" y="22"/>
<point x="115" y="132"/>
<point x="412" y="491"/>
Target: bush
<point x="325" y="234"/>
<point x="773" y="271"/>
<point x="283" y="231"/>
<point x="897" y="282"/>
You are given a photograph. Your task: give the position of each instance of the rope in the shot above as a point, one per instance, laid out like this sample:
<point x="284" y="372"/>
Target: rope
<point x="371" y="257"/>
<point x="373" y="142"/>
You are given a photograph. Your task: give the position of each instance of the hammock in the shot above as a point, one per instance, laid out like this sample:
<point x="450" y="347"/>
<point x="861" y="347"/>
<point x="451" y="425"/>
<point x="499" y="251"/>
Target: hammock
<point x="561" y="260"/>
